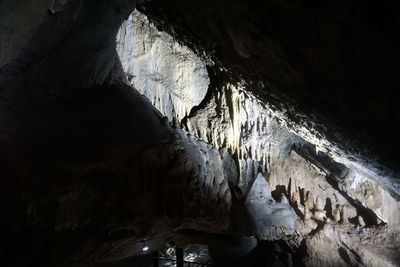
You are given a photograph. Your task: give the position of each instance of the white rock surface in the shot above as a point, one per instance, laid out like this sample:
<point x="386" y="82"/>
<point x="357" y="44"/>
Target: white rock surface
<point x="262" y="139"/>
<point x="212" y="172"/>
<point x="169" y="74"/>
<point x="236" y="139"/>
<point x="272" y="220"/>
<point x="175" y="80"/>
<point x="238" y="121"/>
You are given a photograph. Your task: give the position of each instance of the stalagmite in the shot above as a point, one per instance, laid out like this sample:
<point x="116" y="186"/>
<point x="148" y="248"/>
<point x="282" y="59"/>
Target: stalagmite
<point x="260" y="139"/>
<point x="296" y="202"/>
<point x="296" y="198"/>
<point x="344" y="215"/>
<point x="297" y="185"/>
<point x="336" y="213"/>
<point x="319" y="205"/>
<point x="319" y="212"/>
<point x="332" y="207"/>
<point x="309" y="201"/>
<point x="335" y="199"/>
<point x="307" y="219"/>
<point x="307" y="214"/>
<point x="245" y="100"/>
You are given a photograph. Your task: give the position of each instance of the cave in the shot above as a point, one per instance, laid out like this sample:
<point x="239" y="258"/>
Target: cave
<point x="199" y="133"/>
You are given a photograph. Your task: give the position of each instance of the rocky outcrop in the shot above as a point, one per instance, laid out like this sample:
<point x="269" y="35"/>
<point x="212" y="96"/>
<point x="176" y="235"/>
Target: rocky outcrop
<point x="166" y="72"/>
<point x="295" y="184"/>
<point x="339" y="59"/>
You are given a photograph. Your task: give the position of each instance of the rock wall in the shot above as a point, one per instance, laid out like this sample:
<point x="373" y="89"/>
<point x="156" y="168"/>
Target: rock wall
<point x="166" y="72"/>
<point x="312" y="190"/>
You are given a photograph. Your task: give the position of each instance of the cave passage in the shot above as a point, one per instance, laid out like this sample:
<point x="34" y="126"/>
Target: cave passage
<point x="199" y="133"/>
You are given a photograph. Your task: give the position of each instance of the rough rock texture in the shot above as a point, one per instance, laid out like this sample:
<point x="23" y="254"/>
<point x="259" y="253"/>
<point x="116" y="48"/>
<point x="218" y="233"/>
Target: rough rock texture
<point x="315" y="194"/>
<point x="272" y="219"/>
<point x="92" y="170"/>
<point x="167" y="73"/>
<point x="339" y="58"/>
<point x="89" y="167"/>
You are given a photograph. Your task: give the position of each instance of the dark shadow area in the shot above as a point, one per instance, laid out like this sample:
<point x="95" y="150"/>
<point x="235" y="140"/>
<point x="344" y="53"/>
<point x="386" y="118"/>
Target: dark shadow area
<point x="277" y="193"/>
<point x="344" y="255"/>
<point x="337" y="60"/>
<point x="268" y="254"/>
<point x="328" y="208"/>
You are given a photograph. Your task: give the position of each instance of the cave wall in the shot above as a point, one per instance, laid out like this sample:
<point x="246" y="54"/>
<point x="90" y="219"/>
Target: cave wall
<point x="338" y="60"/>
<point x="91" y="169"/>
<point x="281" y="164"/>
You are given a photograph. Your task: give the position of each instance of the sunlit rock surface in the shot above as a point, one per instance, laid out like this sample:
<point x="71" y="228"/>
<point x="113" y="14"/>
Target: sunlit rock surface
<point x="294" y="181"/>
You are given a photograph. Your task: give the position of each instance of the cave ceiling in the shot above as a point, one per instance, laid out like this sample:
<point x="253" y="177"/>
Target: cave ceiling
<point x="261" y="127"/>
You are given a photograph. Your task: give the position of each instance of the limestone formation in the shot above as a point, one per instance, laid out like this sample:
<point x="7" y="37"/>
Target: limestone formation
<point x="296" y="198"/>
<point x="319" y="212"/>
<point x="331" y="206"/>
<point x="283" y="199"/>
<point x="319" y="204"/>
<point x="90" y="166"/>
<point x="335" y="200"/>
<point x="319" y="215"/>
<point x="343" y="214"/>
<point x="297" y="186"/>
<point x="307" y="214"/>
<point x="360" y="221"/>
<point x="170" y="75"/>
<point x="309" y="203"/>
<point x="308" y="222"/>
<point x="336" y="213"/>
